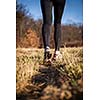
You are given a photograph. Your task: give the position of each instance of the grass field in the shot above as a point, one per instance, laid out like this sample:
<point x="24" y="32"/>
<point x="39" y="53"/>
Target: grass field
<point x="60" y="81"/>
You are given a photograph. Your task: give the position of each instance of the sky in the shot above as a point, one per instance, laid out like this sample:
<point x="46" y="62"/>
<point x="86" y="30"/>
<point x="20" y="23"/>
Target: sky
<point x="73" y="12"/>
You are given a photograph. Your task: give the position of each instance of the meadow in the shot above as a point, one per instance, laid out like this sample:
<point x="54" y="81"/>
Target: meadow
<point x="62" y="80"/>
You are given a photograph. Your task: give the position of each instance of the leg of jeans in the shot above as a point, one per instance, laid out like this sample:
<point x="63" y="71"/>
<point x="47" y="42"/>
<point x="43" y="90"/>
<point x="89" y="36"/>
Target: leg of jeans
<point x="58" y="12"/>
<point x="46" y="7"/>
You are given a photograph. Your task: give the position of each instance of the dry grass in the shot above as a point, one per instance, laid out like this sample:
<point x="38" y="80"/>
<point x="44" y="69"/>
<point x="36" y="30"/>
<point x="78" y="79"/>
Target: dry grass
<point x="59" y="81"/>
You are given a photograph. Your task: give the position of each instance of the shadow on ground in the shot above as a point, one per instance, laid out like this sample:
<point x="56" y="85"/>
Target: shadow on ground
<point x="51" y="84"/>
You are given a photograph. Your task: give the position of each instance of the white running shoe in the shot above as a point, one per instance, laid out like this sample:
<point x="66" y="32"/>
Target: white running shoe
<point x="57" y="56"/>
<point x="47" y="55"/>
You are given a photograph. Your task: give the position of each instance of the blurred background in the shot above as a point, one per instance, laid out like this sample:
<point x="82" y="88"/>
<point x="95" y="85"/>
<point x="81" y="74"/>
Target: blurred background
<point x="29" y="24"/>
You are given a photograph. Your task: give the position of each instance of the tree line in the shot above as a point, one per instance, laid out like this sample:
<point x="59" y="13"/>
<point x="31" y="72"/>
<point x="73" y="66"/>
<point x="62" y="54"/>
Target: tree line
<point x="28" y="31"/>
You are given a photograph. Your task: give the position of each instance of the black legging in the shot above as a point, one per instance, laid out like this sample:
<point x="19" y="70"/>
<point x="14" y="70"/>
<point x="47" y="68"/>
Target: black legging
<point x="46" y="6"/>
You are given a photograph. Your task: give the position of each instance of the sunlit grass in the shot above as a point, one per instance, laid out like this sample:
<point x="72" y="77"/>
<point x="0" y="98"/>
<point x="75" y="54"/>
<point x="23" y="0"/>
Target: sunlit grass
<point x="28" y="62"/>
